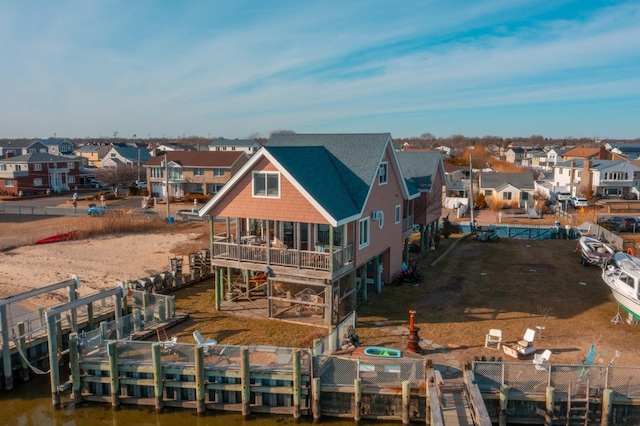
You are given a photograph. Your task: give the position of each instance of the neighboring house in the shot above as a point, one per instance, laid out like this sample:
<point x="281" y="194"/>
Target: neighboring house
<point x="37" y="172"/>
<point x="93" y="153"/>
<point x="514" y="188"/>
<point x="605" y="177"/>
<point x="582" y="153"/>
<point x="250" y="146"/>
<point x="58" y="146"/>
<point x="322" y="214"/>
<point x="446" y="151"/>
<point x="455" y="184"/>
<point x="20" y="147"/>
<point x="169" y="147"/>
<point x="192" y="172"/>
<point x="125" y="156"/>
<point x="535" y="158"/>
<point x="425" y="171"/>
<point x="515" y="155"/>
<point x="623" y="151"/>
<point x="555" y="155"/>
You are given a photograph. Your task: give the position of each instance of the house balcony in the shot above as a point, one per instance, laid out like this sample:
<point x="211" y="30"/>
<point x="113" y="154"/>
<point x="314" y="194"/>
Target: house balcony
<point x="250" y="254"/>
<point x="407" y="226"/>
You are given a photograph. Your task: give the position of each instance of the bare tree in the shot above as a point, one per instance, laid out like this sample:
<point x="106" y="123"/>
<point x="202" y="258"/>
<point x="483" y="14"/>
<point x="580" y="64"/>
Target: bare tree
<point x="116" y="178"/>
<point x="427" y="136"/>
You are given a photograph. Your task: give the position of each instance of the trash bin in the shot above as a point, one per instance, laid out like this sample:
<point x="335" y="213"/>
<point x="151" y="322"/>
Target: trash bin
<point x="171" y="219"/>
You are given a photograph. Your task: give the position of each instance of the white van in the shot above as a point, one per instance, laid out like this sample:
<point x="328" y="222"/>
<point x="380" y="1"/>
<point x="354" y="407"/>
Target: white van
<point x="563" y="196"/>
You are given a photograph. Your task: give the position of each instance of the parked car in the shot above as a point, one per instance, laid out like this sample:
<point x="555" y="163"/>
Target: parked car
<point x="578" y="202"/>
<point x="612" y="223"/>
<point x="191" y="214"/>
<point x="629" y="224"/>
<point x="94" y="210"/>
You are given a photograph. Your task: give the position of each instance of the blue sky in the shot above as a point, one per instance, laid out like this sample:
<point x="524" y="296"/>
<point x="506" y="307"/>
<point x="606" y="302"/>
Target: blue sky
<point x="236" y="68"/>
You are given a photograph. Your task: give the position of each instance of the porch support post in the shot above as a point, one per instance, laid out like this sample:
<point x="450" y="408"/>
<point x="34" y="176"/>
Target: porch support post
<point x="6" y="354"/>
<point x="331" y="229"/>
<point x="218" y="288"/>
<point x="406" y="251"/>
<point x="268" y="242"/>
<point x="376" y="275"/>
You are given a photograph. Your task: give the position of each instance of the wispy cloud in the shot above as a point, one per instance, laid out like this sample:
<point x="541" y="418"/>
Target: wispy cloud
<point x="232" y="69"/>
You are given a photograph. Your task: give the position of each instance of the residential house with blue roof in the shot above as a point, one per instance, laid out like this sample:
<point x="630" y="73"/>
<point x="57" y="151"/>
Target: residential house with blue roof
<point x="126" y="156"/>
<point x="58" y="146"/>
<point x="317" y="219"/>
<point x="425" y="172"/>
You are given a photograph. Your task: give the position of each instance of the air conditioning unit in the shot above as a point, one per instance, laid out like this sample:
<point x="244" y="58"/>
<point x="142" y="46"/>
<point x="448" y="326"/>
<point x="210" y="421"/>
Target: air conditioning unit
<point x="376" y="215"/>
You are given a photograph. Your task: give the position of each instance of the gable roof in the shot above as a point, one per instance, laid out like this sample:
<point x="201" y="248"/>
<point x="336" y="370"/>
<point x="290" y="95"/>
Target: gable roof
<point x="581" y="152"/>
<point x="419" y="168"/>
<point x="20" y="143"/>
<point x="522" y="181"/>
<point x="199" y="158"/>
<point x="39" y="157"/>
<point x="53" y="141"/>
<point x="351" y="162"/>
<point x="131" y="153"/>
<point x="234" y="142"/>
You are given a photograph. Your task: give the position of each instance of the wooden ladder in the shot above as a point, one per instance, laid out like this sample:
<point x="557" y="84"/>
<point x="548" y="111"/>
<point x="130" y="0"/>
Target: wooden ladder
<point x="162" y="334"/>
<point x="578" y="408"/>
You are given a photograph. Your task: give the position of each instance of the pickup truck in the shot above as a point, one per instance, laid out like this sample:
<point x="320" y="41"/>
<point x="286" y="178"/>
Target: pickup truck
<point x="190" y="214"/>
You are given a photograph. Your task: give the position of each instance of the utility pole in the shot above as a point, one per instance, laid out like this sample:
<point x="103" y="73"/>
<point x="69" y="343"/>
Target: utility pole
<point x="166" y="172"/>
<point x="473" y="225"/>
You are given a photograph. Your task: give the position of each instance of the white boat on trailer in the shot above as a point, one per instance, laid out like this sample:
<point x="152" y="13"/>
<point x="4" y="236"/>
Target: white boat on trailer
<point x="594" y="251"/>
<point x="623" y="277"/>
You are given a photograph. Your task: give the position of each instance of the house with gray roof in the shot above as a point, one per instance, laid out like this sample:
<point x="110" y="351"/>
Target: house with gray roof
<point x="515" y="189"/>
<point x="58" y="146"/>
<point x="12" y="148"/>
<point x="322" y="214"/>
<point x="37" y="173"/>
<point x="606" y="178"/>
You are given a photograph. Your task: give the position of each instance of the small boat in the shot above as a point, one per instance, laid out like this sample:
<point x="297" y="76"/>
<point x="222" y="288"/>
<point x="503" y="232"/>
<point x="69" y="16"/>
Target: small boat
<point x="383" y="352"/>
<point x="594" y="252"/>
<point x="623" y="277"/>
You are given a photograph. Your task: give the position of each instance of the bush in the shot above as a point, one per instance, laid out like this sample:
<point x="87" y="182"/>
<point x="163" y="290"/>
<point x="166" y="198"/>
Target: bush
<point x="480" y="202"/>
<point x="447" y="228"/>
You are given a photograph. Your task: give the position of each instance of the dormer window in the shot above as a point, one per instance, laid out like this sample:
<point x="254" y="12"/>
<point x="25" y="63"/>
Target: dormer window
<point x="383" y="175"/>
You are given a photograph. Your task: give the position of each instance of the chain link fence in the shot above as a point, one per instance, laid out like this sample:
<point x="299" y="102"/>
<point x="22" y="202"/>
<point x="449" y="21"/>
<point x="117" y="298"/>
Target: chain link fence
<point x="578" y="379"/>
<point x="334" y="340"/>
<point x="384" y="373"/>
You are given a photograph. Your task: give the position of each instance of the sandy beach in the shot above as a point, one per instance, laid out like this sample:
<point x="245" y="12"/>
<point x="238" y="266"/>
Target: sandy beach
<point x="99" y="262"/>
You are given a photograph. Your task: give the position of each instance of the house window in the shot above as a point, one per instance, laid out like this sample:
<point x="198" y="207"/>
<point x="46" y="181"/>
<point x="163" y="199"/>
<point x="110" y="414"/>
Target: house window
<point x="506" y="195"/>
<point x="217" y="171"/>
<point x="524" y="195"/>
<point x="266" y="184"/>
<point x="363" y="237"/>
<point x="198" y="171"/>
<point x="175" y="173"/>
<point x="3" y="167"/>
<point x="199" y="188"/>
<point x="157" y="172"/>
<point x="37" y="167"/>
<point x="18" y="167"/>
<point x="322" y="236"/>
<point x="383" y="173"/>
<point x="37" y="182"/>
<point x="71" y="166"/>
<point x="71" y="179"/>
<point x="398" y="214"/>
<point x="488" y="192"/>
<point x="8" y="183"/>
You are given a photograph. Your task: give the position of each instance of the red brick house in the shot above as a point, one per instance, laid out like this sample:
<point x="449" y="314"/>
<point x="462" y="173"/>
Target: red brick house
<point x="323" y="215"/>
<point x="37" y="172"/>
